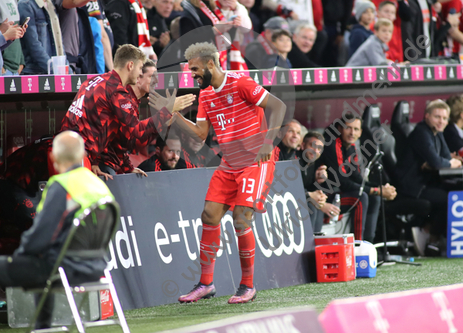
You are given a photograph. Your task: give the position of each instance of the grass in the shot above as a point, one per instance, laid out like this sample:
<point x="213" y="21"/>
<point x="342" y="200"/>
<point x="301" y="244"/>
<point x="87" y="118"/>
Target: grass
<point x="433" y="272"/>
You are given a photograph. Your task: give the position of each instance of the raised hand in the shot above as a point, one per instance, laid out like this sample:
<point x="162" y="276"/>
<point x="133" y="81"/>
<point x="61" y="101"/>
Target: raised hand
<point x="158" y="102"/>
<point x="14" y="32"/>
<point x="183" y="102"/>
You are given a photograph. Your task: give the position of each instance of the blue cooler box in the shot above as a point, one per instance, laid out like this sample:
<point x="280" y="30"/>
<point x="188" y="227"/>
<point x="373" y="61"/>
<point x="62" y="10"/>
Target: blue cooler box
<point x="366" y="259"/>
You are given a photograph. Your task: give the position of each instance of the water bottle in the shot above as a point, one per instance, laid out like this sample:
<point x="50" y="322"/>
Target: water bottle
<point x="337" y="203"/>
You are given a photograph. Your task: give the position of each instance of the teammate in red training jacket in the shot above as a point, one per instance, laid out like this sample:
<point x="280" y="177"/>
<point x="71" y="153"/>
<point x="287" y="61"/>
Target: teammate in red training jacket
<point x="102" y="108"/>
<point x="234" y="105"/>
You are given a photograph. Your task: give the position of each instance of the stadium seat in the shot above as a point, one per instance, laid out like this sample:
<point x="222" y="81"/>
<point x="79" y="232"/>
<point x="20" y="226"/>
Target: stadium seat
<point x="385" y="143"/>
<point x="401" y="127"/>
<point x="86" y="240"/>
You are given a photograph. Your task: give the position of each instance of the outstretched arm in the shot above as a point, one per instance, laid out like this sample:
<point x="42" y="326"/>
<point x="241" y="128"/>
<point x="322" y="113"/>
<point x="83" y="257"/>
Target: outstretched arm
<point x="197" y="131"/>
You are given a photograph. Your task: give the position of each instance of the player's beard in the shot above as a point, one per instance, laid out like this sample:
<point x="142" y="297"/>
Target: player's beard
<point x="207" y="79"/>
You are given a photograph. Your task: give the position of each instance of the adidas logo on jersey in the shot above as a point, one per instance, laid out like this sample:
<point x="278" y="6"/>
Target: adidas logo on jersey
<point x="249" y="199"/>
<point x="76" y="106"/>
<point x="212" y="105"/>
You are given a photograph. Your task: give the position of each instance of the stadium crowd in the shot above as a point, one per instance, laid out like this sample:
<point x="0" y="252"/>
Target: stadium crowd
<point x="111" y="37"/>
<point x="122" y="40"/>
<point x="294" y="34"/>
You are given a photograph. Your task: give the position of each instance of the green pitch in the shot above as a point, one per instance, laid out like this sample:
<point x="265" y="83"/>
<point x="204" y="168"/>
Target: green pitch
<point x="433" y="272"/>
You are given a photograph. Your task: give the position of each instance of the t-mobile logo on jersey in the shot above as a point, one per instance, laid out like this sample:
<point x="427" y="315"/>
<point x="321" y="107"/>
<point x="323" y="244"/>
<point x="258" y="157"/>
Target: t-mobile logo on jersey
<point x="222" y="121"/>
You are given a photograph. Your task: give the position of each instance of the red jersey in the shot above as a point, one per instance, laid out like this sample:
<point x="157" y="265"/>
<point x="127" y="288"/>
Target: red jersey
<point x="239" y="123"/>
<point x="396" y="51"/>
<point x="115" y="155"/>
<point x="454" y="46"/>
<point x="103" y="108"/>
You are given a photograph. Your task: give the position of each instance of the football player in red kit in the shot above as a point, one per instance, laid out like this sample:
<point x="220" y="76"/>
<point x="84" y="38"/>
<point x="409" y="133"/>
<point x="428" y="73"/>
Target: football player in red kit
<point x="234" y="105"/>
<point x="103" y="108"/>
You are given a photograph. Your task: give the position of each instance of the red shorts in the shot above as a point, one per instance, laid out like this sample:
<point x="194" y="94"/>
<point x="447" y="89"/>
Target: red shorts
<point x="245" y="188"/>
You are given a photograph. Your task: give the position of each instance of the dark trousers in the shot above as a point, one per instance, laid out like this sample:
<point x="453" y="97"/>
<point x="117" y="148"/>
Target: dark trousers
<point x="316" y="217"/>
<point x="438" y="215"/>
<point x="28" y="272"/>
<point x="364" y="214"/>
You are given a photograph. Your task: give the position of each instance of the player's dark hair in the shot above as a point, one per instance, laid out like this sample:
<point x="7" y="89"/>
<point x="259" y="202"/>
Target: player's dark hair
<point x="148" y="63"/>
<point x="278" y="33"/>
<point x="314" y="134"/>
<point x="455" y="103"/>
<point x="161" y="143"/>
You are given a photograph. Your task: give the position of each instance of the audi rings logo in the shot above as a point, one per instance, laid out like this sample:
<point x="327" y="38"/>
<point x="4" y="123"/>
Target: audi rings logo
<point x="280" y="223"/>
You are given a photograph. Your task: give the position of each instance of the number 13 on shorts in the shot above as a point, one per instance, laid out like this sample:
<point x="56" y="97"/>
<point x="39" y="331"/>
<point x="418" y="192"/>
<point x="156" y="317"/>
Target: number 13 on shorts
<point x="248" y="185"/>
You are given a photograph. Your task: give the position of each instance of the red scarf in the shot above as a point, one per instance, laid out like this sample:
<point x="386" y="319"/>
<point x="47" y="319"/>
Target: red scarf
<point x="144" y="43"/>
<point x="263" y="41"/>
<point x="236" y="60"/>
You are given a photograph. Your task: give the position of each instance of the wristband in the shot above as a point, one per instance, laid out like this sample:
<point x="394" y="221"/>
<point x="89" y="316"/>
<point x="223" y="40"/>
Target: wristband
<point x="268" y="141"/>
<point x="375" y="190"/>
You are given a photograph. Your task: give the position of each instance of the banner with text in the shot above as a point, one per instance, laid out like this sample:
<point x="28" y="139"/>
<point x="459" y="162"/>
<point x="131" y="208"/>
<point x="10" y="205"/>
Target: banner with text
<point x="154" y="256"/>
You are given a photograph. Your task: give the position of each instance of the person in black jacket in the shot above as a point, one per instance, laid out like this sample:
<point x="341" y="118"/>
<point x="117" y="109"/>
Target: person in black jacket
<point x="124" y="24"/>
<point x="159" y="31"/>
<point x="344" y="175"/>
<point x="303" y="40"/>
<point x="290" y="135"/>
<point x="426" y="151"/>
<point x="32" y="263"/>
<point x="167" y="155"/>
<point x="313" y="173"/>
<point x="335" y="14"/>
<point x="453" y="133"/>
<point x="415" y="26"/>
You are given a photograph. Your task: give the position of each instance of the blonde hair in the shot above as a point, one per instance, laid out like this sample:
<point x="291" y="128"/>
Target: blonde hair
<point x="436" y="104"/>
<point x="68" y="147"/>
<point x="126" y="53"/>
<point x="304" y="26"/>
<point x="206" y="51"/>
<point x="455" y="104"/>
<point x="383" y="22"/>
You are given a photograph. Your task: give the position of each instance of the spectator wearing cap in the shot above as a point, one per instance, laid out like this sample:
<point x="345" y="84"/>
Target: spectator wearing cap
<point x="281" y="40"/>
<point x="256" y="50"/>
<point x="373" y="51"/>
<point x="365" y="15"/>
<point x="303" y="41"/>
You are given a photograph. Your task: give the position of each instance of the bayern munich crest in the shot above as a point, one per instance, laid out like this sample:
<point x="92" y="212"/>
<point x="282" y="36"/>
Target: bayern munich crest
<point x="229" y="99"/>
